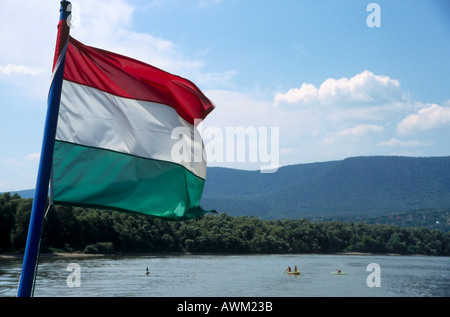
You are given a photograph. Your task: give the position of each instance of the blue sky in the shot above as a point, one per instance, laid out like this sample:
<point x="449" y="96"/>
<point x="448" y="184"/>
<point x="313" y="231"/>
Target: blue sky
<point x="332" y="85"/>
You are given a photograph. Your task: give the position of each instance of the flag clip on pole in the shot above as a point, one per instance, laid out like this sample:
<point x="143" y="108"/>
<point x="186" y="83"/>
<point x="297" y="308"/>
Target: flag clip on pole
<point x="45" y="165"/>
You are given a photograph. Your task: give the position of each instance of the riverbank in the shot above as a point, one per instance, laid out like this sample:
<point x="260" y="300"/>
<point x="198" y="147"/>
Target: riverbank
<point x="82" y="255"/>
<point x="95" y="231"/>
<point x="92" y="255"/>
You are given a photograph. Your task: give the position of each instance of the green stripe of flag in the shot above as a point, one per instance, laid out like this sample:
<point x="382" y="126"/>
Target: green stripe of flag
<point x="95" y="177"/>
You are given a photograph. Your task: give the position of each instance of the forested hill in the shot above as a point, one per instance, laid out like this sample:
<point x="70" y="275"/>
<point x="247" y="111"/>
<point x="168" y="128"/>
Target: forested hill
<point x="76" y="229"/>
<point x="358" y="186"/>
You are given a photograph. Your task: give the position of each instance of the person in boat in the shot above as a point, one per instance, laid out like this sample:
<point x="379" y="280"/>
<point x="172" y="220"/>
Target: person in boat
<point x="339" y="271"/>
<point x="295" y="269"/>
<point x="147" y="272"/>
<point x="288" y="269"/>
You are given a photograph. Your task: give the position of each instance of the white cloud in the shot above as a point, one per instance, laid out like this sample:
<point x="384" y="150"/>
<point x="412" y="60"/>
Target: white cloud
<point x="307" y="93"/>
<point x="430" y="117"/>
<point x="356" y="131"/>
<point x="360" y="130"/>
<point x="12" y="69"/>
<point x="365" y="87"/>
<point x="394" y="142"/>
<point x="346" y="116"/>
<point x="33" y="156"/>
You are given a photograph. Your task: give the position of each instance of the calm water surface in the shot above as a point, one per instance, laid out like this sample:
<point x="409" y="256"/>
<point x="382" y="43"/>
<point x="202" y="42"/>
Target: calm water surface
<point x="240" y="276"/>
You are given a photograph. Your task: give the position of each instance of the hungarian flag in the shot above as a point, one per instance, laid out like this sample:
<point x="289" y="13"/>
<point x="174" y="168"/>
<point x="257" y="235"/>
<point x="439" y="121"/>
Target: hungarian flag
<point x="115" y="145"/>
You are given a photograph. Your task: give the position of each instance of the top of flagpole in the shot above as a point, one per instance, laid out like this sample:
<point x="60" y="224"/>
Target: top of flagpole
<point x="65" y="12"/>
<point x="65" y="9"/>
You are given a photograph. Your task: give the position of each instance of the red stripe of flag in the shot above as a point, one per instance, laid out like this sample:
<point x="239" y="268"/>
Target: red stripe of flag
<point x="129" y="78"/>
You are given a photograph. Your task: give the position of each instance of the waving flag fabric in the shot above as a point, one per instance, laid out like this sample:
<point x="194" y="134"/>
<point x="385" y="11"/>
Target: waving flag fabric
<point x="114" y="144"/>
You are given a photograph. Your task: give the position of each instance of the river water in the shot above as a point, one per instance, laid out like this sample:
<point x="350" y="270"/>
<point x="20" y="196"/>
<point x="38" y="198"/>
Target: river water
<point x="233" y="276"/>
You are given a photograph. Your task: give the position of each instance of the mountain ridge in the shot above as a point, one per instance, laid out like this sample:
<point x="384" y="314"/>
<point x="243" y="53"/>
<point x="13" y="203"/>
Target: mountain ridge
<point x="372" y="185"/>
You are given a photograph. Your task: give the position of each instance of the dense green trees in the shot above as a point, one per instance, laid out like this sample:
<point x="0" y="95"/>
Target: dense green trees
<point x="98" y="231"/>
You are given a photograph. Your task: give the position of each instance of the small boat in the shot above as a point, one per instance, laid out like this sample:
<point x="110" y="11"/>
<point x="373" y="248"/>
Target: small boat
<point x="339" y="273"/>
<point x="293" y="273"/>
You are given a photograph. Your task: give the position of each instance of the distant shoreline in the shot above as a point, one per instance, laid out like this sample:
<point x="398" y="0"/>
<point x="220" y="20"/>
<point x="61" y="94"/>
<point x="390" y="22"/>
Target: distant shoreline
<point x="92" y="255"/>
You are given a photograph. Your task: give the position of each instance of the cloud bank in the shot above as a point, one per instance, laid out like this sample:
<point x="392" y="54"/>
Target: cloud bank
<point x="429" y="117"/>
<point x="365" y="87"/>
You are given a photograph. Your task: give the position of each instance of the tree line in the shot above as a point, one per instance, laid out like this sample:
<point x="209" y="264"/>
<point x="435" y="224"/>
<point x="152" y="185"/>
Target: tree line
<point x="76" y="229"/>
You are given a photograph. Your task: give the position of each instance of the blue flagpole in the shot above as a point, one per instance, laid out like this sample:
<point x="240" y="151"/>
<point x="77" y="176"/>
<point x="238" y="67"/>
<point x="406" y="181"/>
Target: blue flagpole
<point x="45" y="165"/>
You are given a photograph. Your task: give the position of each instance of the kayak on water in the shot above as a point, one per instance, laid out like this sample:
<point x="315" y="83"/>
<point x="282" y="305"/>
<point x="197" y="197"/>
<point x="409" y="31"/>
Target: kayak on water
<point x="295" y="271"/>
<point x="339" y="273"/>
